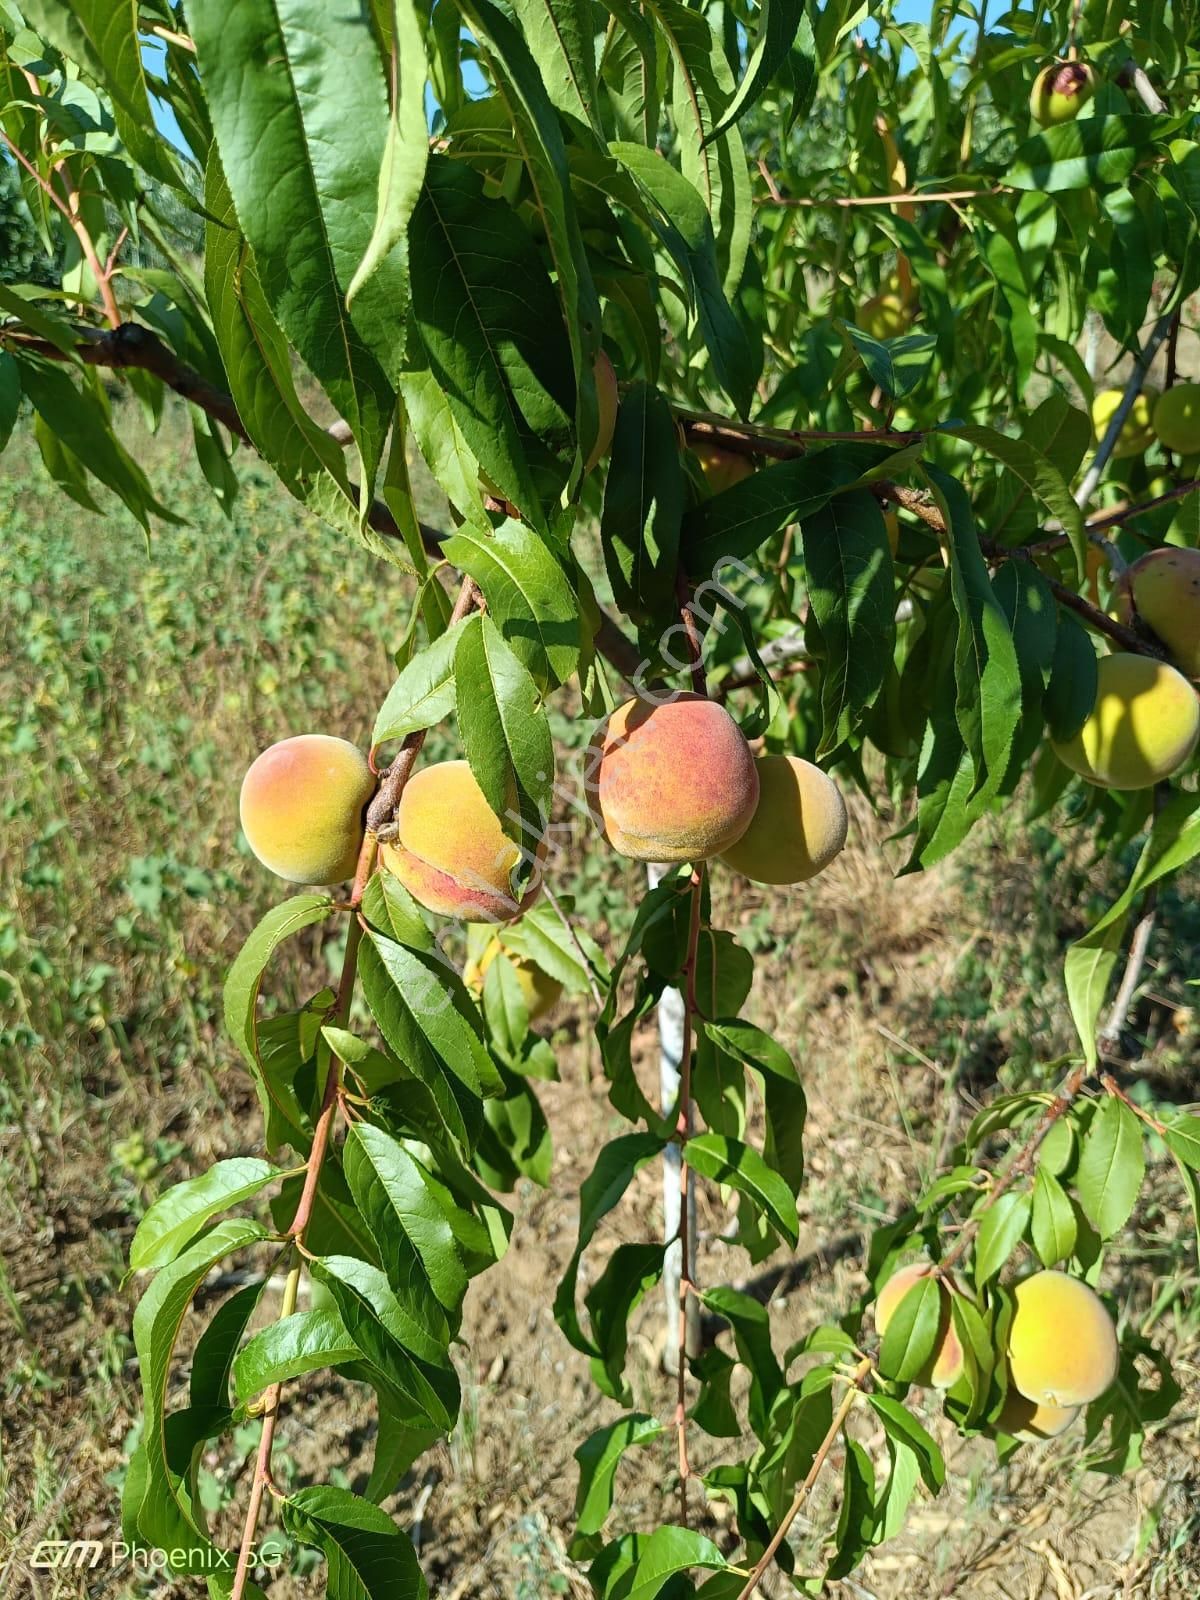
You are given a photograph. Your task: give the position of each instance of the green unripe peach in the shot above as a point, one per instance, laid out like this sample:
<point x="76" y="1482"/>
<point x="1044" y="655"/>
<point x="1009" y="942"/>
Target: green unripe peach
<point x="450" y="851"/>
<point x="1164" y="589"/>
<point x="671" y="780"/>
<point x="302" y="807"/>
<point x="1026" y="1419"/>
<point x="1177" y="418"/>
<point x="798" y="826"/>
<point x="540" y="991"/>
<point x="1062" y="1346"/>
<point x="1143" y="727"/>
<point x="607" y="400"/>
<point x="721" y="468"/>
<point x="1060" y="91"/>
<point x="1136" y="435"/>
<point x="945" y="1365"/>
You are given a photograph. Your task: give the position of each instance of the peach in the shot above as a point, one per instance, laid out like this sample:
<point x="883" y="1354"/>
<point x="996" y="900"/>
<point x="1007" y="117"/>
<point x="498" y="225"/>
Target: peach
<point x="721" y="468"/>
<point x="1136" y="435"/>
<point x="1062" y="1346"/>
<point x="450" y="851"/>
<point x="884" y="316"/>
<point x="1164" y="589"/>
<point x="798" y="827"/>
<point x="1177" y="418"/>
<point x="540" y="991"/>
<point x="1060" y="91"/>
<point x="1025" y="1419"/>
<point x="671" y="780"/>
<point x="302" y="806"/>
<point x="607" y="401"/>
<point x="945" y="1365"/>
<point x="1143" y="727"/>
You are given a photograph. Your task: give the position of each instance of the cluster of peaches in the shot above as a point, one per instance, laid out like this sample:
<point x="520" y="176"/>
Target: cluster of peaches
<point x="1062" y="1348"/>
<point x="666" y="780"/>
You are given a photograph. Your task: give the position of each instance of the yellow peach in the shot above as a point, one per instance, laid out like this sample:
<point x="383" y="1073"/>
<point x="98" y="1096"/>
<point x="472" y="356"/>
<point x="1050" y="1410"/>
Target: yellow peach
<point x="1164" y="589"/>
<point x="1136" y="435"/>
<point x="302" y="806"/>
<point x="1062" y="1346"/>
<point x="798" y="826"/>
<point x="450" y="851"/>
<point x="721" y="468"/>
<point x="945" y="1365"/>
<point x="1060" y="91"/>
<point x="1143" y="728"/>
<point x="884" y="316"/>
<point x="1025" y="1419"/>
<point x="540" y="991"/>
<point x="671" y="780"/>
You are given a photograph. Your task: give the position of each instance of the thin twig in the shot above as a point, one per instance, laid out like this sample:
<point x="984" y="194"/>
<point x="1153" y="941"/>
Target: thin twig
<point x="683" y="1128"/>
<point x="1132" y="76"/>
<point x="1111" y="1086"/>
<point x="853" y="1389"/>
<point x="1109" y="1037"/>
<point x="909" y="197"/>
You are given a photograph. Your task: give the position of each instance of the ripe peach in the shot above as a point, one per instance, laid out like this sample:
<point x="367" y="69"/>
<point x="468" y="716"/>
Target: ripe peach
<point x="1136" y="435"/>
<point x="1164" y="589"/>
<point x="541" y="992"/>
<point x="721" y="468"/>
<point x="1062" y="1346"/>
<point x="797" y="828"/>
<point x="607" y="402"/>
<point x="1025" y="1419"/>
<point x="302" y="806"/>
<point x="945" y="1365"/>
<point x="450" y="851"/>
<point x="884" y="316"/>
<point x="1144" y="725"/>
<point x="1060" y="91"/>
<point x="671" y="780"/>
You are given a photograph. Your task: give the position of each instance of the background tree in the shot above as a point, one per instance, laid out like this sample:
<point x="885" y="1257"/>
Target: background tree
<point x="838" y="282"/>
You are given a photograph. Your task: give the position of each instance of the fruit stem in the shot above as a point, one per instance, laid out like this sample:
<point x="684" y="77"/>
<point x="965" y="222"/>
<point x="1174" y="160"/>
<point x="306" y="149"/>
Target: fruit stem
<point x="854" y="1388"/>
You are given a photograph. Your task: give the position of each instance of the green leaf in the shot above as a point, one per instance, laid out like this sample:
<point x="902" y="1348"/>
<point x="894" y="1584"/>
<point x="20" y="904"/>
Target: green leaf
<point x="10" y="396"/>
<point x="779" y="23"/>
<point x="600" y="1191"/>
<point x="1112" y="1165"/>
<point x="856" y="1519"/>
<point x="405" y="152"/>
<point x="529" y="596"/>
<point x="644" y="499"/>
<point x="423" y="694"/>
<point x="738" y="521"/>
<point x="278" y="76"/>
<point x="367" y="1555"/>
<point x="751" y="1326"/>
<point x="1174" y="840"/>
<point x="1183" y="1140"/>
<point x="1001" y="1228"/>
<point x="307" y="1341"/>
<point x="178" y="1215"/>
<point x="783" y="1095"/>
<point x="1052" y="1226"/>
<point x="561" y="38"/>
<point x="162" y="1516"/>
<point x="912" y="1332"/>
<point x="409" y="1315"/>
<point x="896" y="365"/>
<point x="82" y="424"/>
<point x="391" y="1190"/>
<point x="666" y="1552"/>
<point x="599" y="1456"/>
<point x="1039" y="475"/>
<point x="631" y="1271"/>
<point x="1071" y="691"/>
<point x="731" y="1162"/>
<point x="685" y="227"/>
<point x="851" y="589"/>
<point x="246" y="974"/>
<point x="505" y="733"/>
<point x="900" y="1424"/>
<point x="1084" y="154"/>
<point x="490" y="323"/>
<point x="212" y="1359"/>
